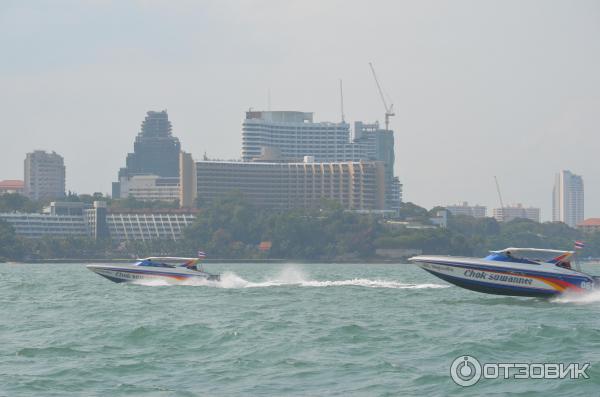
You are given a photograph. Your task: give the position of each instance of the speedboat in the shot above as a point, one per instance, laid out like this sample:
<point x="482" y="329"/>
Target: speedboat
<point x="153" y="268"/>
<point x="512" y="271"/>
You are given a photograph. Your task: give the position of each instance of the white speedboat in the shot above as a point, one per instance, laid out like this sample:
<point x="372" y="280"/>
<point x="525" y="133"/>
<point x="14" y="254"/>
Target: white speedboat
<point x="512" y="271"/>
<point x="153" y="268"/>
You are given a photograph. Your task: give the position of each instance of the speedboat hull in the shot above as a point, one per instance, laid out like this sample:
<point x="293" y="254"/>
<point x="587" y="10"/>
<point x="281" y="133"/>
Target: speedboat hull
<point x="509" y="279"/>
<point x="128" y="273"/>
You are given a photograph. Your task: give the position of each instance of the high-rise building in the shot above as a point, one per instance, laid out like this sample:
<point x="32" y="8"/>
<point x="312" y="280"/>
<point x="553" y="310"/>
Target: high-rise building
<point x="476" y="211"/>
<point x="296" y="135"/>
<point x="568" y="198"/>
<point x="44" y="175"/>
<point x="510" y="212"/>
<point x="155" y="151"/>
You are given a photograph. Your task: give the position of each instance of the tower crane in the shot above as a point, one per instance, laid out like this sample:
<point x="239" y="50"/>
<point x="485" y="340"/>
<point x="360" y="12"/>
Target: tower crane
<point x="389" y="110"/>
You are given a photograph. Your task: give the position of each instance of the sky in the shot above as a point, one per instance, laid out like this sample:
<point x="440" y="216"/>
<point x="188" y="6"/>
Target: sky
<point x="481" y="88"/>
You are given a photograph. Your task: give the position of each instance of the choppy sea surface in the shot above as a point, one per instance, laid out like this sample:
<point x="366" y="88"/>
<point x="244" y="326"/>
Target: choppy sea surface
<point x="278" y="330"/>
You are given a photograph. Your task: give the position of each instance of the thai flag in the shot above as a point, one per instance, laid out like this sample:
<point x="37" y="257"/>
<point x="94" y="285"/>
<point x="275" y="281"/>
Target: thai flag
<point x="579" y="245"/>
<point x="201" y="254"/>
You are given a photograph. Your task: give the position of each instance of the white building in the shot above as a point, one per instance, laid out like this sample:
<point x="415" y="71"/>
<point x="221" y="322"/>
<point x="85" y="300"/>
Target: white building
<point x="97" y="222"/>
<point x="511" y="212"/>
<point x="148" y="225"/>
<point x="42" y="225"/>
<point x="150" y="187"/>
<point x="476" y="211"/>
<point x="568" y="198"/>
<point x="44" y="175"/>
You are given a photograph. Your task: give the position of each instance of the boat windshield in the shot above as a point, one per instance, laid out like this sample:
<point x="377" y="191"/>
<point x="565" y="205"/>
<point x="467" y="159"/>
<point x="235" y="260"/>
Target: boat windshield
<point x="147" y="262"/>
<point x="502" y="257"/>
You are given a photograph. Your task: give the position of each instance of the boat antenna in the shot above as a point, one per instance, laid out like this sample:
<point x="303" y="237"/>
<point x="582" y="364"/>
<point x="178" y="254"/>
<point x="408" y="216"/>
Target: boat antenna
<point x="499" y="196"/>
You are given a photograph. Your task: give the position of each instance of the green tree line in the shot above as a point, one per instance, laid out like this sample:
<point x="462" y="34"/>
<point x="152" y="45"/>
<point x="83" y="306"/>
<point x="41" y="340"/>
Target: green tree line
<point x="232" y="228"/>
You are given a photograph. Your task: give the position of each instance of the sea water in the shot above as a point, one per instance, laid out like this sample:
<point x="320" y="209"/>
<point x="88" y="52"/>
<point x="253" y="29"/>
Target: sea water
<point x="278" y="330"/>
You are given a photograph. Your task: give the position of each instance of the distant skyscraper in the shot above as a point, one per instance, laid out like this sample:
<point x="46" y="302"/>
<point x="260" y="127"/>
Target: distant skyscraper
<point x="567" y="198"/>
<point x="44" y="175"/>
<point x="296" y="135"/>
<point x="155" y="151"/>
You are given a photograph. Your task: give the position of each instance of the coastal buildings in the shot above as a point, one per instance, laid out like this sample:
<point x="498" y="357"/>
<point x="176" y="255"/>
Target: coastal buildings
<point x="12" y="186"/>
<point x="295" y="135"/>
<point x="155" y="152"/>
<point x="476" y="211"/>
<point x="568" y="198"/>
<point x="150" y="187"/>
<point x="589" y="225"/>
<point x="511" y="212"/>
<point x="356" y="185"/>
<point x="44" y="175"/>
<point x="148" y="225"/>
<point x="63" y="220"/>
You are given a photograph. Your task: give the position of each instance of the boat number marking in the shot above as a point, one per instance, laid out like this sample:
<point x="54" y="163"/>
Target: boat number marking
<point x="129" y="276"/>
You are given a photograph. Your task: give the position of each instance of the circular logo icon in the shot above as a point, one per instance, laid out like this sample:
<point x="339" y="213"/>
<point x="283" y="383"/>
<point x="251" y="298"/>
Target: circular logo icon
<point x="465" y="371"/>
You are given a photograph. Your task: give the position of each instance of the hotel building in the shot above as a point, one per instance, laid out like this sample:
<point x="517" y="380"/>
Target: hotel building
<point x="296" y="135"/>
<point x="356" y="185"/>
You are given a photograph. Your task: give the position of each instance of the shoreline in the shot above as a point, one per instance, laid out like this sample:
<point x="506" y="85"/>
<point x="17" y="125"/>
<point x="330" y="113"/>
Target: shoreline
<point x="209" y="261"/>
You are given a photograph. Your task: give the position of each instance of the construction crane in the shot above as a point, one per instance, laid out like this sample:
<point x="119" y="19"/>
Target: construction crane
<point x="342" y="101"/>
<point x="389" y="110"/>
<point x="500" y="197"/>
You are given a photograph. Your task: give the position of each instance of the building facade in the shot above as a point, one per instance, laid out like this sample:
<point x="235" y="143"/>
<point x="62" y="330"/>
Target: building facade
<point x="146" y="225"/>
<point x="12" y="186"/>
<point x="98" y="222"/>
<point x="46" y="225"/>
<point x="150" y="187"/>
<point x="590" y="225"/>
<point x="568" y="198"/>
<point x="296" y="135"/>
<point x="511" y="212"/>
<point x="44" y="175"/>
<point x="356" y="185"/>
<point x="476" y="211"/>
<point x="155" y="151"/>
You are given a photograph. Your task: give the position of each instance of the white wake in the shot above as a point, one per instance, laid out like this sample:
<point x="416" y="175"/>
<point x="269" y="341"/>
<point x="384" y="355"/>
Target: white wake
<point x="579" y="298"/>
<point x="291" y="276"/>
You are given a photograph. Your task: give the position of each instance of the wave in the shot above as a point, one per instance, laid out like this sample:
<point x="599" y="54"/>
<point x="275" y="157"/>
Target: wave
<point x="291" y="276"/>
<point x="579" y="298"/>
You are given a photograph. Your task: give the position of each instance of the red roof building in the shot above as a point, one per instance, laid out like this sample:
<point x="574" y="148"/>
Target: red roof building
<point x="12" y="186"/>
<point x="590" y="225"/>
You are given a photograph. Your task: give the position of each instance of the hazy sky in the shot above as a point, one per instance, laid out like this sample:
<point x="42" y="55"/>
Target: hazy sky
<point x="480" y="88"/>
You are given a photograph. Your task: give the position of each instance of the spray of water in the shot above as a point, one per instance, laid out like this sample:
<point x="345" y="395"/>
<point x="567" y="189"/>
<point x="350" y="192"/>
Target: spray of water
<point x="290" y="275"/>
<point x="582" y="298"/>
